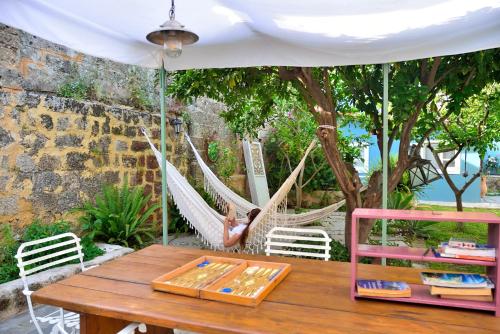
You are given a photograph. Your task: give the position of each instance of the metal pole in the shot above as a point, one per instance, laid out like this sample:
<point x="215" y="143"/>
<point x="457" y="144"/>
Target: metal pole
<point x="385" y="153"/>
<point x="164" y="155"/>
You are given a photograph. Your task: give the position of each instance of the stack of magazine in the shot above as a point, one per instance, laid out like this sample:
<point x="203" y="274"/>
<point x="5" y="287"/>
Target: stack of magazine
<point x="459" y="286"/>
<point x="466" y="249"/>
<point x="386" y="289"/>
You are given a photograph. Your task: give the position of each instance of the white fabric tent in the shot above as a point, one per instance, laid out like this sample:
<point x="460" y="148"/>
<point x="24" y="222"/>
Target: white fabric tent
<point x="264" y="32"/>
<point x="244" y="33"/>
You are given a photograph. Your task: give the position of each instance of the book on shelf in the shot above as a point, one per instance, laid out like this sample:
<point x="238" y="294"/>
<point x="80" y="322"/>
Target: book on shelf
<point x="468" y="257"/>
<point x="481" y="251"/>
<point x="474" y="298"/>
<point x="438" y="290"/>
<point x="453" y="280"/>
<point x="379" y="288"/>
<point x="462" y="243"/>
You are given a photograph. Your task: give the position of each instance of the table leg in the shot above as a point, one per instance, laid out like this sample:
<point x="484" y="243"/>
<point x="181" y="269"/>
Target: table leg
<point x="94" y="324"/>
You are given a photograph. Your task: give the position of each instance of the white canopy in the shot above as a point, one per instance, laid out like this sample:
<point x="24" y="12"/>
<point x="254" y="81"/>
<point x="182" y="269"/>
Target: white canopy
<point x="239" y="33"/>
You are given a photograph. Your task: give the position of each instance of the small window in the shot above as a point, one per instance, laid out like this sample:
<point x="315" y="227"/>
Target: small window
<point x="453" y="167"/>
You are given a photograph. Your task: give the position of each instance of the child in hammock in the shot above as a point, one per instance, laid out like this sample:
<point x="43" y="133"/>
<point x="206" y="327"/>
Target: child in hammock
<point x="234" y="232"/>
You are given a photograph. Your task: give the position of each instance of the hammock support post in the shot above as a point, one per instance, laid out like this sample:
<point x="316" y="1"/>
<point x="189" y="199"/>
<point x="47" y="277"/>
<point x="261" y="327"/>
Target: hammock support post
<point x="163" y="135"/>
<point x="385" y="153"/>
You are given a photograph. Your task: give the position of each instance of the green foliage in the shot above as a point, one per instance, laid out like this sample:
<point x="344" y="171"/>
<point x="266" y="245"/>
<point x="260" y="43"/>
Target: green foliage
<point x="78" y="89"/>
<point x="8" y="249"/>
<point x="119" y="216"/>
<point x="223" y="158"/>
<point x="36" y="230"/>
<point x="138" y="96"/>
<point x="476" y="125"/>
<point x="176" y="222"/>
<point x="213" y="150"/>
<point x="409" y="230"/>
<point x="339" y="252"/>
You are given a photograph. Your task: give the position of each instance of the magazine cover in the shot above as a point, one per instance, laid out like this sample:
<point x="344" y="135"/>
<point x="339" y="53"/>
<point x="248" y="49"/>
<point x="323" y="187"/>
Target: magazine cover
<point x="456" y="280"/>
<point x="382" y="285"/>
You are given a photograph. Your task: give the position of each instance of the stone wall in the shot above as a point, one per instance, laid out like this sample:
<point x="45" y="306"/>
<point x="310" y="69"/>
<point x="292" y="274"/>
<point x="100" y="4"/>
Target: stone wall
<point x="55" y="151"/>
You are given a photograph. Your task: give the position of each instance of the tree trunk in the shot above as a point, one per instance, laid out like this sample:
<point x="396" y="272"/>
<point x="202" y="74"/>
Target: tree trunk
<point x="298" y="197"/>
<point x="350" y="206"/>
<point x="460" y="208"/>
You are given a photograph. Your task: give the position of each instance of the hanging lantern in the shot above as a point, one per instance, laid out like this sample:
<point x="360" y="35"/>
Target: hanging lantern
<point x="177" y="124"/>
<point x="172" y="35"/>
<point x="422" y="171"/>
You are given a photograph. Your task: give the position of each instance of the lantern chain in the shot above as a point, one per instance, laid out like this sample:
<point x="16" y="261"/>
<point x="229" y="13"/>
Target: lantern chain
<point x="172" y="11"/>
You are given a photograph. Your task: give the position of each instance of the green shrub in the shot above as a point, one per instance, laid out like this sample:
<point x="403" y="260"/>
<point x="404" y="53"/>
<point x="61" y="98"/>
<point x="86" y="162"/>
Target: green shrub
<point x="8" y="249"/>
<point x="339" y="252"/>
<point x="224" y="160"/>
<point x="36" y="230"/>
<point x="77" y="89"/>
<point x="119" y="216"/>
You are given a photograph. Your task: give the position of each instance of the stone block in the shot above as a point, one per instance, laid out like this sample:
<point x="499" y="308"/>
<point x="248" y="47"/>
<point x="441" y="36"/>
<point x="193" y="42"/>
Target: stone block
<point x="121" y="146"/>
<point x="141" y="162"/>
<point x="67" y="200"/>
<point x="105" y="126"/>
<point x="44" y="202"/>
<point x="5" y="138"/>
<point x="25" y="163"/>
<point x="82" y="123"/>
<point x="8" y="205"/>
<point x="117" y="130"/>
<point x="131" y="131"/>
<point x="29" y="100"/>
<point x="62" y="124"/>
<point x="129" y="161"/>
<point x="150" y="176"/>
<point x="76" y="160"/>
<point x="148" y="189"/>
<point x="139" y="146"/>
<point x="157" y="189"/>
<point x="4" y="179"/>
<point x="95" y="128"/>
<point x="71" y="181"/>
<point x="98" y="110"/>
<point x="130" y="116"/>
<point x="69" y="141"/>
<point x="111" y="177"/>
<point x="46" y="182"/>
<point x="47" y="122"/>
<point x="151" y="162"/>
<point x="34" y="141"/>
<point x="48" y="163"/>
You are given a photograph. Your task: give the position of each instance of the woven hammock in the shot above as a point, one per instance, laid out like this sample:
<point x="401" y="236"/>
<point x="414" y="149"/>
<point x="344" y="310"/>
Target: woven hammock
<point x="209" y="224"/>
<point x="223" y="195"/>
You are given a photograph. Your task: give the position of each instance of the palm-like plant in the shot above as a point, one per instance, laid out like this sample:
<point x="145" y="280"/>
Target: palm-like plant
<point x="118" y="216"/>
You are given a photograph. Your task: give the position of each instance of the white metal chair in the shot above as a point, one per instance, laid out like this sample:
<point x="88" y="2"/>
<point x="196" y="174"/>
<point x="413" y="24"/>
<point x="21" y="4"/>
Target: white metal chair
<point x="38" y="255"/>
<point x="307" y="242"/>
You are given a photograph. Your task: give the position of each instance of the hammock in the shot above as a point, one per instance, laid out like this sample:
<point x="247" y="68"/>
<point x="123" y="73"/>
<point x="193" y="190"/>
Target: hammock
<point x="208" y="223"/>
<point x="223" y="195"/>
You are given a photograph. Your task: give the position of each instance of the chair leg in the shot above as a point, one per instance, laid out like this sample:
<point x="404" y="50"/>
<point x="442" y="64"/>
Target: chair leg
<point x="32" y="314"/>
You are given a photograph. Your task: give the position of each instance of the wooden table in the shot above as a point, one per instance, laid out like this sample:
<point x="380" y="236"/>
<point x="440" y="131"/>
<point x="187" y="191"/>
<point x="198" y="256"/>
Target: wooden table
<point x="314" y="298"/>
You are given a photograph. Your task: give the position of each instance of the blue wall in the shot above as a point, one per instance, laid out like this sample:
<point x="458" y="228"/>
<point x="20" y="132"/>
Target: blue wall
<point x="437" y="190"/>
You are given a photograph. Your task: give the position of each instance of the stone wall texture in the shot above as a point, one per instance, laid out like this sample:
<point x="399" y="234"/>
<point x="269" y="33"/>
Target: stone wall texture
<point x="56" y="152"/>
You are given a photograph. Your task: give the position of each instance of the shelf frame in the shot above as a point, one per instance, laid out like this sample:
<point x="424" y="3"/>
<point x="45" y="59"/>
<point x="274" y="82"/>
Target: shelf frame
<point x="420" y="293"/>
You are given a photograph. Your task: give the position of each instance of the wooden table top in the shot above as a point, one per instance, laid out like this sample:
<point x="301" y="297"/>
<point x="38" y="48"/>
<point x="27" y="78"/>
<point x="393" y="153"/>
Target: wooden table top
<point x="314" y="298"/>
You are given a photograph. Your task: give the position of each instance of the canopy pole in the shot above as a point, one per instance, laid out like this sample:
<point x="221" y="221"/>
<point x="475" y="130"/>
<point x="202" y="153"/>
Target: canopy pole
<point x="163" y="136"/>
<point x="385" y="153"/>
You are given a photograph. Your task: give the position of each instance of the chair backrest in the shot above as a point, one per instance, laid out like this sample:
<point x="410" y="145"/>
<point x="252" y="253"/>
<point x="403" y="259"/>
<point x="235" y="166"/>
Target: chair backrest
<point x="37" y="255"/>
<point x="307" y="242"/>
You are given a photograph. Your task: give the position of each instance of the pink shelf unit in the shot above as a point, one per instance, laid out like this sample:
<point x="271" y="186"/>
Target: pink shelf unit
<point x="420" y="293"/>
